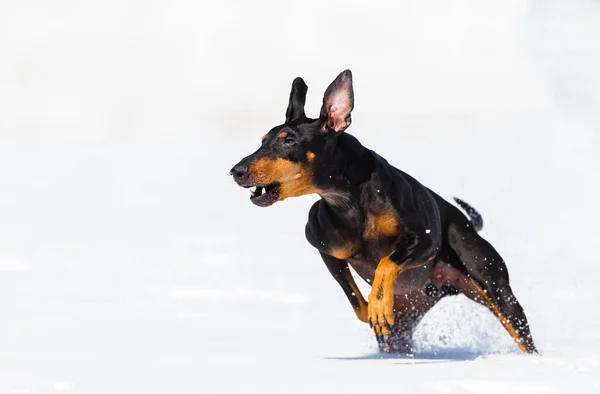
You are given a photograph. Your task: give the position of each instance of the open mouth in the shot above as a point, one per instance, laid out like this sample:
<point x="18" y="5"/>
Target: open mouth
<point x="263" y="196"/>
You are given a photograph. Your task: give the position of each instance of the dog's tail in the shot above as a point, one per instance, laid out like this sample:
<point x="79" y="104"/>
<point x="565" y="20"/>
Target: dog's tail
<point x="474" y="216"/>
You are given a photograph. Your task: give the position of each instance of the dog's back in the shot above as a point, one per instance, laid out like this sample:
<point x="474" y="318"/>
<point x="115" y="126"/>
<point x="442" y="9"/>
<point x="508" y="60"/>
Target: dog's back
<point x="409" y="243"/>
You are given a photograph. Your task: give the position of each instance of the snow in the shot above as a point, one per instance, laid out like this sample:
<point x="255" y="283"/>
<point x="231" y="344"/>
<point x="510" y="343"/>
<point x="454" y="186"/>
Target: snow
<point x="131" y="263"/>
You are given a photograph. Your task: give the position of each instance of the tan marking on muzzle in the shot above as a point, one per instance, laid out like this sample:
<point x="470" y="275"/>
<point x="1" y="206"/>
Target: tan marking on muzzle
<point x="294" y="178"/>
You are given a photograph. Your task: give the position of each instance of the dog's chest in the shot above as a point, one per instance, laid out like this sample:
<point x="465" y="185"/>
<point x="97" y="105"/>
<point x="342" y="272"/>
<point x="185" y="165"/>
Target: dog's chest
<point x="362" y="243"/>
<point x="378" y="238"/>
<point x="338" y="240"/>
<point x="363" y="240"/>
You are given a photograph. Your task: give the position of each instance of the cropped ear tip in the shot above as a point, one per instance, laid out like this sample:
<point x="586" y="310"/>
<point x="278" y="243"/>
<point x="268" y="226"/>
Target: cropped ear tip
<point x="298" y="81"/>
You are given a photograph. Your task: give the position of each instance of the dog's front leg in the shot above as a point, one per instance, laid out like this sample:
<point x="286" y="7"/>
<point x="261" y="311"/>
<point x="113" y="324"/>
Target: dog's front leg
<point x="411" y="251"/>
<point x="341" y="273"/>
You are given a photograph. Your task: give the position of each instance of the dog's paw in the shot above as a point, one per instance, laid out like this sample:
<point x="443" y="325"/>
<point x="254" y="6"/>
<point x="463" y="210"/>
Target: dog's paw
<point x="381" y="314"/>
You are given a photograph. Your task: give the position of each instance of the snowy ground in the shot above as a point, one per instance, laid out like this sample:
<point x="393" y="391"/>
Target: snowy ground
<point x="131" y="263"/>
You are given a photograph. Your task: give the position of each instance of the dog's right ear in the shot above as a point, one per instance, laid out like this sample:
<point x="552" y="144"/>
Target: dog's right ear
<point x="295" y="109"/>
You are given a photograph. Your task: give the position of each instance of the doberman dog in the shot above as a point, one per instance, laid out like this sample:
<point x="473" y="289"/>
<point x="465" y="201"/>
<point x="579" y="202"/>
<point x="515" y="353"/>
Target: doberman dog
<point x="411" y="245"/>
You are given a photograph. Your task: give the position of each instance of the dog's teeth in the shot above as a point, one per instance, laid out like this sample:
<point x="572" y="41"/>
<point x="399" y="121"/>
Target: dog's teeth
<point x="253" y="189"/>
<point x="263" y="191"/>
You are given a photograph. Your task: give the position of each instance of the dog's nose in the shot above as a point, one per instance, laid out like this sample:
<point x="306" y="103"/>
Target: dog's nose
<point x="239" y="172"/>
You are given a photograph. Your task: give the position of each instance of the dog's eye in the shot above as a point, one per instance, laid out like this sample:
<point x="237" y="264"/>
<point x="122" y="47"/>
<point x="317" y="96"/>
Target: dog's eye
<point x="289" y="141"/>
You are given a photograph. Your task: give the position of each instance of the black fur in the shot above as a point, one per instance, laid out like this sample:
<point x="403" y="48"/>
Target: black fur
<point x="357" y="185"/>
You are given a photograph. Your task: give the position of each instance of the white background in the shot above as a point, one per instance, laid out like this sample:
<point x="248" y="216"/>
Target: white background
<point x="131" y="263"/>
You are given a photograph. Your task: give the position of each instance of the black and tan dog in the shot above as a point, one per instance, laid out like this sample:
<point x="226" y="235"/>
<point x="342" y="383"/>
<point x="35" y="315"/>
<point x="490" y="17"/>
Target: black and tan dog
<point x="412" y="246"/>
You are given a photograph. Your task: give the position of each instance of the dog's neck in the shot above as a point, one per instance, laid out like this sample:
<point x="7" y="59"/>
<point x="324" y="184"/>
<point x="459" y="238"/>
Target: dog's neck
<point x="349" y="166"/>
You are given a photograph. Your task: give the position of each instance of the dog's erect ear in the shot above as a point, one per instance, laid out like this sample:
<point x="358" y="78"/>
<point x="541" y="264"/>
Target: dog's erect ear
<point x="338" y="103"/>
<point x="295" y="109"/>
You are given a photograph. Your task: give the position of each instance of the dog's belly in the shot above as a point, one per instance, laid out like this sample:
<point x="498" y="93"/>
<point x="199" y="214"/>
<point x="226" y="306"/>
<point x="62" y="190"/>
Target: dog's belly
<point x="446" y="275"/>
<point x="411" y="281"/>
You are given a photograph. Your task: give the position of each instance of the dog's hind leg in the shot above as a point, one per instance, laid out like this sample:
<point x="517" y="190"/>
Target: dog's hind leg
<point x="410" y="309"/>
<point x="488" y="276"/>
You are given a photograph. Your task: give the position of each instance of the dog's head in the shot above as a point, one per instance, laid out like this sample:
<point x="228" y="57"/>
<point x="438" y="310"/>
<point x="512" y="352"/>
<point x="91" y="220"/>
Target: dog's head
<point x="284" y="166"/>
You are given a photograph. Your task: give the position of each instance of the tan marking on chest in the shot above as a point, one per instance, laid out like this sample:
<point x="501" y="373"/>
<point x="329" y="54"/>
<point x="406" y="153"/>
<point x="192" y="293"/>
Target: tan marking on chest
<point x="345" y="251"/>
<point x="384" y="224"/>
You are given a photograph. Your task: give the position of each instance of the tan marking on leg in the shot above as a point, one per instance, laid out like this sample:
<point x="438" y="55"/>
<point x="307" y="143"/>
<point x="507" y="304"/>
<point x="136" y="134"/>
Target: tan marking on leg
<point x="362" y="312"/>
<point x="445" y="274"/>
<point x="491" y="305"/>
<point x="381" y="298"/>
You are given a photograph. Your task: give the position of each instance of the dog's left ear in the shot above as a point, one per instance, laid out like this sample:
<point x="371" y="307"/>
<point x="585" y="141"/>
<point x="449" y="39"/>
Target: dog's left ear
<point x="295" y="109"/>
<point x="338" y="103"/>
